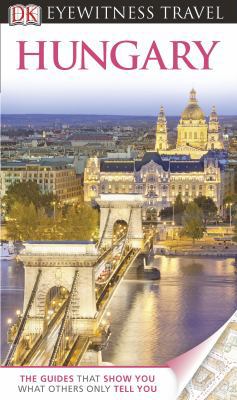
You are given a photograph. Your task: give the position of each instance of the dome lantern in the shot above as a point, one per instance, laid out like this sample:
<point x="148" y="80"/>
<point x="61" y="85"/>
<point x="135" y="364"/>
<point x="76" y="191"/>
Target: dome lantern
<point x="192" y="97"/>
<point x="193" y="111"/>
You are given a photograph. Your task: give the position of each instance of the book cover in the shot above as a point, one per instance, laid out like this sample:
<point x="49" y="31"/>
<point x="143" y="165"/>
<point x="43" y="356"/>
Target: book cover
<point x="119" y="200"/>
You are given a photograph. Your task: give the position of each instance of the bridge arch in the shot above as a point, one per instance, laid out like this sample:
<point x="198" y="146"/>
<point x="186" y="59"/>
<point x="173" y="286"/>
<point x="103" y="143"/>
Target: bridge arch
<point x="125" y="207"/>
<point x="54" y="299"/>
<point x="120" y="229"/>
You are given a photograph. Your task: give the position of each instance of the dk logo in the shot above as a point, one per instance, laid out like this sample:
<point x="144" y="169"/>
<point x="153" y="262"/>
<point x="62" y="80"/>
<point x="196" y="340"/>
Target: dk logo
<point x="24" y="15"/>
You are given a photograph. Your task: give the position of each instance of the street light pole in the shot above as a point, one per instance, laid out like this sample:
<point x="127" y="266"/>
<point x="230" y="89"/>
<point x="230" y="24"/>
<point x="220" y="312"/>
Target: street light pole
<point x="173" y="212"/>
<point x="173" y="223"/>
<point x="54" y="204"/>
<point x="231" y="215"/>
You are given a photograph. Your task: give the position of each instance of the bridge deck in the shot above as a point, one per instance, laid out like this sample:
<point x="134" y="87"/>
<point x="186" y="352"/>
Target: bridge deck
<point x="46" y="346"/>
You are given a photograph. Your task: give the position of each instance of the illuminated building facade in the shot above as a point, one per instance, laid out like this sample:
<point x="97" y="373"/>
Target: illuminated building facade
<point x="194" y="168"/>
<point x="52" y="177"/>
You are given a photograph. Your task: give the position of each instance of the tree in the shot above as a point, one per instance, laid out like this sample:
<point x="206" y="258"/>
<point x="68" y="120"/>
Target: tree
<point x="230" y="198"/>
<point x="207" y="206"/>
<point x="22" y="222"/>
<point x="28" y="193"/>
<point x="179" y="208"/>
<point x="193" y="225"/>
<point x="26" y="222"/>
<point x="81" y="222"/>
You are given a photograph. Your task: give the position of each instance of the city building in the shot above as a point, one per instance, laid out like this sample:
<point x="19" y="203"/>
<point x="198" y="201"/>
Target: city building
<point x="51" y="175"/>
<point x="195" y="135"/>
<point x="196" y="167"/>
<point x="92" y="139"/>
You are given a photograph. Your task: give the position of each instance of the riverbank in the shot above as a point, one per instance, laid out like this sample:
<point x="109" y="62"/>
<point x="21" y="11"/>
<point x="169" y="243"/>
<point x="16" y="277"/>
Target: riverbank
<point x="203" y="248"/>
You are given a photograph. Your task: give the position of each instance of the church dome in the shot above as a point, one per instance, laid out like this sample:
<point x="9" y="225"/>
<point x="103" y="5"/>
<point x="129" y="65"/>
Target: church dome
<point x="193" y="111"/>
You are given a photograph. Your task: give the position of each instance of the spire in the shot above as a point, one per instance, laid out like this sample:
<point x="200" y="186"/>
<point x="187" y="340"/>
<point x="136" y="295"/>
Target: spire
<point x="161" y="131"/>
<point x="214" y="131"/>
<point x="213" y="115"/>
<point x="192" y="97"/>
<point x="161" y="116"/>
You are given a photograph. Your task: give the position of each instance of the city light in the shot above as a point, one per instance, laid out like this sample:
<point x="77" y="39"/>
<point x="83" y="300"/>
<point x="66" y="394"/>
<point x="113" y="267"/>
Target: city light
<point x="230" y="206"/>
<point x="129" y="225"/>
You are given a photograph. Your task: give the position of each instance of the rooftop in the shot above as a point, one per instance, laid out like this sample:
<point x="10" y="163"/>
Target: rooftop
<point x="37" y="163"/>
<point x="178" y="165"/>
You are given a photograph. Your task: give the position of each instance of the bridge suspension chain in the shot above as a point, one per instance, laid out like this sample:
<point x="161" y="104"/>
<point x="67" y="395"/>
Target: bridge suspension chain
<point x="43" y="336"/>
<point x="126" y="237"/>
<point x="105" y="227"/>
<point x="23" y="321"/>
<point x="64" y="320"/>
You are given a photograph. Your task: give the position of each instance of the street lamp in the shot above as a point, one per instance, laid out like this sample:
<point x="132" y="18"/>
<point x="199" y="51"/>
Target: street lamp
<point x="54" y="205"/>
<point x="27" y="342"/>
<point x="67" y="343"/>
<point x="173" y="212"/>
<point x="230" y="205"/>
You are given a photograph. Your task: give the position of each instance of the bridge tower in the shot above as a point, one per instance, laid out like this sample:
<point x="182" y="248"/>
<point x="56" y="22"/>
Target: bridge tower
<point x="126" y="207"/>
<point x="69" y="265"/>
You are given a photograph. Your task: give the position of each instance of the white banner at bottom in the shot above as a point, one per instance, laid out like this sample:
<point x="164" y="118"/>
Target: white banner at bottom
<point x="102" y="383"/>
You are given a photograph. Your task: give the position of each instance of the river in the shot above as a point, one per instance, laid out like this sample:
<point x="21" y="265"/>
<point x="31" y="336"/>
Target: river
<point x="152" y="322"/>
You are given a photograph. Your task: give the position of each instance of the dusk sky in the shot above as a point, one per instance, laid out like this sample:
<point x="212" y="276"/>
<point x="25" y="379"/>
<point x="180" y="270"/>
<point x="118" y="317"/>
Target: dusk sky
<point x="113" y="91"/>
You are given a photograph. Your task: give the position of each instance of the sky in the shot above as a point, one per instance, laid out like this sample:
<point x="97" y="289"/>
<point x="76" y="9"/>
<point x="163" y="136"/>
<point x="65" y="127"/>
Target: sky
<point x="113" y="91"/>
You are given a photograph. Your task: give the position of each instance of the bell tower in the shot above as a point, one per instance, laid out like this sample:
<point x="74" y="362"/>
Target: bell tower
<point x="161" y="131"/>
<point x="214" y="136"/>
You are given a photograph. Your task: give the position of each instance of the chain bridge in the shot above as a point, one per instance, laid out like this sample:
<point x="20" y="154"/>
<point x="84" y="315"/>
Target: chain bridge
<point x="68" y="288"/>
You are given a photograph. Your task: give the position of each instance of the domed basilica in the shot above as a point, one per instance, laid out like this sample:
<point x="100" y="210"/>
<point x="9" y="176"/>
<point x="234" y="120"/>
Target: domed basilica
<point x="194" y="168"/>
<point x="195" y="135"/>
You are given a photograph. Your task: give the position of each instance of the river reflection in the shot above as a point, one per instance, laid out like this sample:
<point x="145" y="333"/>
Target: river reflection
<point x="12" y="292"/>
<point x="152" y="322"/>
